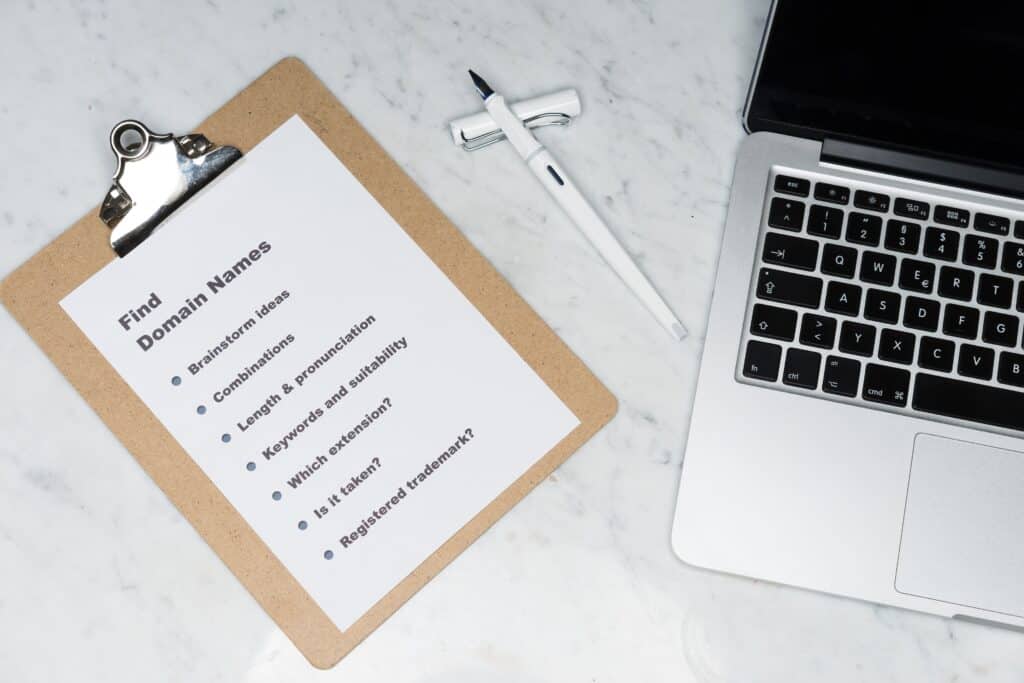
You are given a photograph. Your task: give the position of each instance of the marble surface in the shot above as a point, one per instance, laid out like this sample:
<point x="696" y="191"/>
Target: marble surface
<point x="103" y="580"/>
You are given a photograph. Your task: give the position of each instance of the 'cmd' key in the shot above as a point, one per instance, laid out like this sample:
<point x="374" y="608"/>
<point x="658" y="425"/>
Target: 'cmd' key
<point x="883" y="384"/>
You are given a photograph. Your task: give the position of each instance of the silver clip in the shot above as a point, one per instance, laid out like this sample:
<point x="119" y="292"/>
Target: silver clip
<point x="480" y="141"/>
<point x="478" y="130"/>
<point x="156" y="173"/>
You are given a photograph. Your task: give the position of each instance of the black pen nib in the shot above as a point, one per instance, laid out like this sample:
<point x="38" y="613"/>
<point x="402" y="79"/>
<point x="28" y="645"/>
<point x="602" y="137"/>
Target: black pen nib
<point x="480" y="85"/>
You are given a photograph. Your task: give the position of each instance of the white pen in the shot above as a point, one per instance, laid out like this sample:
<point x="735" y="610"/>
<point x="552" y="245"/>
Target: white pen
<point x="552" y="176"/>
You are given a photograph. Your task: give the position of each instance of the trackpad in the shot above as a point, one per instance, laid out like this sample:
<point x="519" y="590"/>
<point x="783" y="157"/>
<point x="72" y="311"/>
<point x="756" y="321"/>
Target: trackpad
<point x="963" y="531"/>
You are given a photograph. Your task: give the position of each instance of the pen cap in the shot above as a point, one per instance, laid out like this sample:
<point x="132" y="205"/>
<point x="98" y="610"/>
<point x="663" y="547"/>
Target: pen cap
<point x="479" y="130"/>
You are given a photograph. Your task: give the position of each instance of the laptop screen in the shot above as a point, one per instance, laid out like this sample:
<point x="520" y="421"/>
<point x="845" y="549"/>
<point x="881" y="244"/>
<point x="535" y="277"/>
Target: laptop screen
<point x="941" y="78"/>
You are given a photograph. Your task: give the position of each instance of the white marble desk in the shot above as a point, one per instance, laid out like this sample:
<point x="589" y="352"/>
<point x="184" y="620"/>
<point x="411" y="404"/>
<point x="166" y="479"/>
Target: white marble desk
<point x="104" y="581"/>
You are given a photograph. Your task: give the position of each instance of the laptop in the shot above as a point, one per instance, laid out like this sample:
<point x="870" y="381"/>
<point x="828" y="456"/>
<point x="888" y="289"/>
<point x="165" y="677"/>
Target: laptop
<point x="858" y="426"/>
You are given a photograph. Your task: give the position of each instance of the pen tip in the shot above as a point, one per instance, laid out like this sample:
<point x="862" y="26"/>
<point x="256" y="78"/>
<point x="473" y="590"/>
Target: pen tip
<point x="480" y="85"/>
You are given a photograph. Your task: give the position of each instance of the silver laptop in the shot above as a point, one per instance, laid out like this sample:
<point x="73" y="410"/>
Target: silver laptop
<point x="860" y="411"/>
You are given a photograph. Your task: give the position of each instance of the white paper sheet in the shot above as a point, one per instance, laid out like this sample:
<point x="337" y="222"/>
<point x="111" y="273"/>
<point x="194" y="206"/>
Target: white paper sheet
<point x="328" y="351"/>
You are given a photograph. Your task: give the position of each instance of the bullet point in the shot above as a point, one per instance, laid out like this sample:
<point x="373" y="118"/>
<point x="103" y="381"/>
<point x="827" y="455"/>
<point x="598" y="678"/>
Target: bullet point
<point x="328" y="554"/>
<point x="250" y="466"/>
<point x="201" y="410"/>
<point x="225" y="438"/>
<point x="303" y="525"/>
<point x="276" y="495"/>
<point x="175" y="380"/>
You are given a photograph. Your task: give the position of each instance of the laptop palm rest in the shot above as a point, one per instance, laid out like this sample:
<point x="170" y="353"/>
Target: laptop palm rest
<point x="961" y="539"/>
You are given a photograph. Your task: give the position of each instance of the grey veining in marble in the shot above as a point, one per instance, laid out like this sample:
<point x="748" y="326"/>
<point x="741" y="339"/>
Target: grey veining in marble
<point x="103" y="580"/>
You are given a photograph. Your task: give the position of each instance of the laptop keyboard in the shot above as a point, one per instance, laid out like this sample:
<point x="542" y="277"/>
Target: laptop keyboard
<point x="875" y="297"/>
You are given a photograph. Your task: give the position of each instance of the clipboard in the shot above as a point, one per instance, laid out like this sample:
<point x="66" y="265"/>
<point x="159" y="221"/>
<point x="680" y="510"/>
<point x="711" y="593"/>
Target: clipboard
<point x="32" y="294"/>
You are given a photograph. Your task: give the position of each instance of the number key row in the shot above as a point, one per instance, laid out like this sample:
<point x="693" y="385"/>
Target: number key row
<point x="900" y="236"/>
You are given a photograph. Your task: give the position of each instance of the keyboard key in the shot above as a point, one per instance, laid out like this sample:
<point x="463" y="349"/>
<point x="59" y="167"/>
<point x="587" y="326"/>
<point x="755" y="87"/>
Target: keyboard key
<point x="996" y="225"/>
<point x="960" y="321"/>
<point x="802" y="368"/>
<point x="838" y="260"/>
<point x="896" y="346"/>
<point x="857" y="338"/>
<point x="787" y="214"/>
<point x="818" y="330"/>
<point x="994" y="290"/>
<point x="969" y="401"/>
<point x="902" y="236"/>
<point x="917" y="276"/>
<point x="789" y="185"/>
<point x="1013" y="257"/>
<point x="786" y="250"/>
<point x="872" y="201"/>
<point x="1020" y="296"/>
<point x="762" y="360"/>
<point x="831" y="193"/>
<point x="789" y="288"/>
<point x="774" y="322"/>
<point x="921" y="314"/>
<point x="878" y="269"/>
<point x="980" y="251"/>
<point x="976" y="361"/>
<point x="841" y="376"/>
<point x="882" y="306"/>
<point x="1018" y="229"/>
<point x="911" y="208"/>
<point x="1011" y="369"/>
<point x="936" y="354"/>
<point x="956" y="283"/>
<point x="947" y="215"/>
<point x="887" y="385"/>
<point x="825" y="221"/>
<point x="1000" y="328"/>
<point x="942" y="244"/>
<point x="843" y="298"/>
<point x="862" y="228"/>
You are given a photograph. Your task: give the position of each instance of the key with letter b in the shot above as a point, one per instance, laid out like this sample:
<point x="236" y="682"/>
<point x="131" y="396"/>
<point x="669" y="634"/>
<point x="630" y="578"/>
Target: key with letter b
<point x="1011" y="369"/>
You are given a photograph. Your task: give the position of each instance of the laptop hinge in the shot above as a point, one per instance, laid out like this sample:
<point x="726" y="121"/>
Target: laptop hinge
<point x="956" y="173"/>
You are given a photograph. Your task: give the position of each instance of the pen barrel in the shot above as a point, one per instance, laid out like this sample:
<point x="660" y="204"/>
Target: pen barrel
<point x="551" y="174"/>
<point x="514" y="130"/>
<point x="564" y="191"/>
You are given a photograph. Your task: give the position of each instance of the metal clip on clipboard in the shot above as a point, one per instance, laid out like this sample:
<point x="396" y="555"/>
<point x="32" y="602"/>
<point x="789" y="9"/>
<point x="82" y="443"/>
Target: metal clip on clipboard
<point x="156" y="173"/>
<point x="479" y="130"/>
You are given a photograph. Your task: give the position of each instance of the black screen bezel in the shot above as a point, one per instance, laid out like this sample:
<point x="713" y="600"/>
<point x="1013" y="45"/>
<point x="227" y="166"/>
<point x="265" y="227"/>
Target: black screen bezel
<point x="752" y="122"/>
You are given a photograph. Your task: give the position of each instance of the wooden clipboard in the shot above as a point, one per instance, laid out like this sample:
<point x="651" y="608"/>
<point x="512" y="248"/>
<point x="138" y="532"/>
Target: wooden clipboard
<point x="32" y="294"/>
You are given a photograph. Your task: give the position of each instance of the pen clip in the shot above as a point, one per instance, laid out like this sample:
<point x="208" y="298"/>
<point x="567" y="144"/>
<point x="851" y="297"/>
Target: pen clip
<point x="540" y="120"/>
